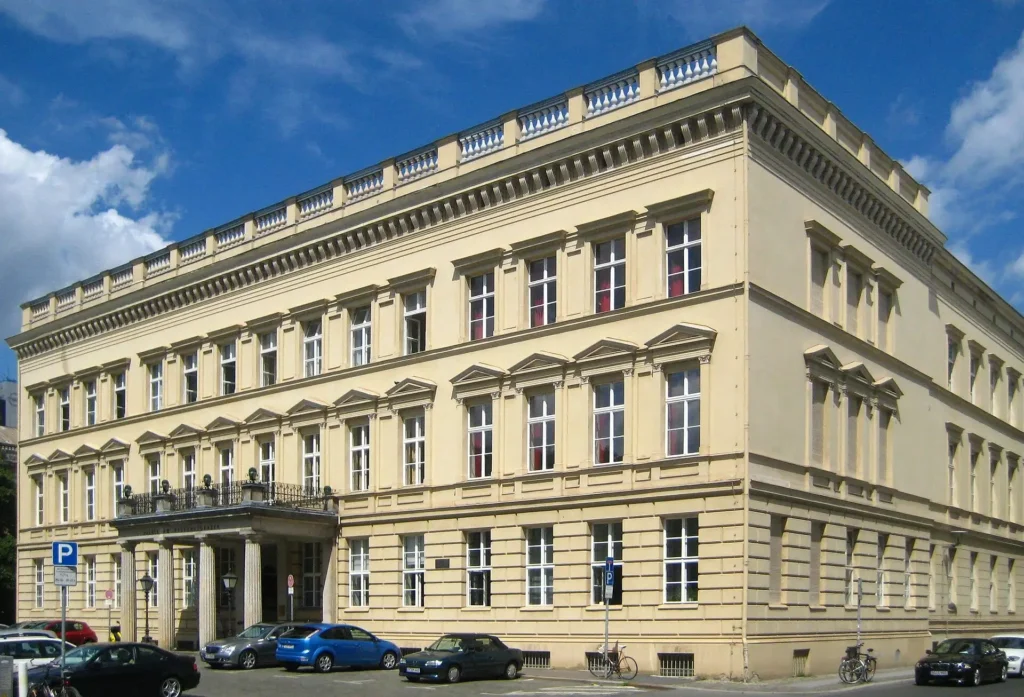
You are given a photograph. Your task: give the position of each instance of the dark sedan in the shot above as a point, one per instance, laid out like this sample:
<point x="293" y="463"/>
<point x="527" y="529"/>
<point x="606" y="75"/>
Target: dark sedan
<point x="457" y="656"/>
<point x="965" y="661"/>
<point x="124" y="670"/>
<point x="253" y="647"/>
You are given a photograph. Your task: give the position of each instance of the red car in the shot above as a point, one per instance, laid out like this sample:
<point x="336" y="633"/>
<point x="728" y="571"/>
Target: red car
<point x="78" y="633"/>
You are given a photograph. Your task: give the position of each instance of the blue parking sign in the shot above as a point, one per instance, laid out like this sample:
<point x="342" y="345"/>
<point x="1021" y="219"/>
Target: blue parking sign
<point x="65" y="554"/>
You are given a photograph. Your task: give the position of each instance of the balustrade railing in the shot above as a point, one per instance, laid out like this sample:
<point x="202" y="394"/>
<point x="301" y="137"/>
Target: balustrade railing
<point x="611" y="94"/>
<point x="192" y="251"/>
<point x="543" y="118"/>
<point x="122" y="278"/>
<point x="316" y="203"/>
<point x="271" y="220"/>
<point x="186" y="499"/>
<point x="365" y="185"/>
<point x="40" y="310"/>
<point x="65" y="300"/>
<point x="685" y="67"/>
<point x="92" y="289"/>
<point x="230" y="236"/>
<point x="481" y="141"/>
<point x="157" y="264"/>
<point x="416" y="165"/>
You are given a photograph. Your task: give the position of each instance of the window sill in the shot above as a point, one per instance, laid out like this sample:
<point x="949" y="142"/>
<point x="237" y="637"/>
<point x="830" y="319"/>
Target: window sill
<point x="538" y="608"/>
<point x="778" y="606"/>
<point x="679" y="606"/>
<point x="476" y="608"/>
<point x="361" y="608"/>
<point x="412" y="609"/>
<point x="817" y="608"/>
<point x="600" y="608"/>
<point x="882" y="608"/>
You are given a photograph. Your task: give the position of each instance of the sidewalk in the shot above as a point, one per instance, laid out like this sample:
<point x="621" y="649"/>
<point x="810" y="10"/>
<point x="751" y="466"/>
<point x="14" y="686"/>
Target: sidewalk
<point x="813" y="685"/>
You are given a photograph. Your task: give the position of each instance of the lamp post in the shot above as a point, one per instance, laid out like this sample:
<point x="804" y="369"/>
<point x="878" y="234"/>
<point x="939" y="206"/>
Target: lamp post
<point x="146" y="582"/>
<point x="230" y="580"/>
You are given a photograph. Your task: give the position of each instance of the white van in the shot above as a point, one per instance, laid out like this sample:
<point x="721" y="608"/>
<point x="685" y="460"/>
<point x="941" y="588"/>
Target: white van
<point x="33" y="651"/>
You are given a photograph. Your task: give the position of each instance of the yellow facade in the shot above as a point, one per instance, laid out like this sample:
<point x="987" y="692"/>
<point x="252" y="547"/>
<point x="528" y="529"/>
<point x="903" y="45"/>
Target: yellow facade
<point x="702" y="256"/>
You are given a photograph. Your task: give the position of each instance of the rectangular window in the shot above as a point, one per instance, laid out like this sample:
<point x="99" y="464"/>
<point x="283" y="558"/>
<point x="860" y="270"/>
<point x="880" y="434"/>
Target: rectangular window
<point x="481" y="440"/>
<point x="884" y="420"/>
<point x="682" y="412"/>
<point x="819" y="424"/>
<point x="415" y="322"/>
<point x="993" y="490"/>
<point x="932" y="574"/>
<point x="361" y="334"/>
<point x="190" y="585"/>
<point x="884" y="315"/>
<point x="1011" y="488"/>
<point x="540" y="429"/>
<point x="951" y="480"/>
<point x="228" y="373"/>
<point x="543" y="289"/>
<point x="64" y="491"/>
<point x="606" y="541"/>
<point x="775" y="539"/>
<point x="90" y="494"/>
<point x="853" y="435"/>
<point x="609" y="423"/>
<point x="156" y="386"/>
<point x="1011" y="585"/>
<point x="312" y="575"/>
<point x="39" y="402"/>
<point x="609" y="275"/>
<point x="359" y="573"/>
<point x="481" y="306"/>
<point x="683" y="257"/>
<point x="311" y="462"/>
<point x="993" y="571"/>
<point x="188" y="469"/>
<point x="359" y="455"/>
<point x="478" y="568"/>
<point x="90" y="403"/>
<point x="268" y="461"/>
<point x="414" y="446"/>
<point x="152" y="561"/>
<point x="850" y="580"/>
<point x="950" y="571"/>
<point x="881" y="596"/>
<point x="312" y="348"/>
<point x="681" y="560"/>
<point x="975" y="454"/>
<point x="40" y="581"/>
<point x="993" y="387"/>
<point x="414" y="564"/>
<point x="854" y="290"/>
<point x="540" y="566"/>
<point x="115" y="565"/>
<point x="973" y="571"/>
<point x="227" y="466"/>
<point x="975" y="367"/>
<point x="908" y="572"/>
<point x="226" y="563"/>
<point x="268" y="359"/>
<point x="117" y="477"/>
<point x="814" y="564"/>
<point x="190" y="377"/>
<point x="90" y="582"/>
<point x="65" y="409"/>
<point x="153" y="473"/>
<point x="37" y="482"/>
<point x="120" y="395"/>
<point x="819" y="280"/>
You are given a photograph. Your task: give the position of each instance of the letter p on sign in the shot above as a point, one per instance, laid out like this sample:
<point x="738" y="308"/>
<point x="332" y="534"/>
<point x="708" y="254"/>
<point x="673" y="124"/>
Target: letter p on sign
<point x="65" y="554"/>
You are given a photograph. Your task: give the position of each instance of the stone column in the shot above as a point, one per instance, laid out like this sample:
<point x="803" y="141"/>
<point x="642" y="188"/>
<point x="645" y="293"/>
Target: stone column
<point x="330" y="590"/>
<point x="129" y="592"/>
<point x="165" y="595"/>
<point x="207" y="592"/>
<point x="252" y="599"/>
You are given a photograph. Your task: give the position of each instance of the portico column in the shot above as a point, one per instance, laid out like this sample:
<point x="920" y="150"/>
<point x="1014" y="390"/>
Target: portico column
<point x="129" y="590"/>
<point x="253" y="590"/>
<point x="165" y="594"/>
<point x="330" y="590"/>
<point x="207" y="592"/>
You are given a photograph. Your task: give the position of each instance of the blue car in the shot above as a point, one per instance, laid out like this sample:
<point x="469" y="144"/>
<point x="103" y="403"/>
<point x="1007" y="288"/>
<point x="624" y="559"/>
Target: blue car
<point x="323" y="646"/>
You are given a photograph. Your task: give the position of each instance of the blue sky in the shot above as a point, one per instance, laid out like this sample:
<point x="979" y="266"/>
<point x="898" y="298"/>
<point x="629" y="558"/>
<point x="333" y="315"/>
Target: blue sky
<point x="125" y="124"/>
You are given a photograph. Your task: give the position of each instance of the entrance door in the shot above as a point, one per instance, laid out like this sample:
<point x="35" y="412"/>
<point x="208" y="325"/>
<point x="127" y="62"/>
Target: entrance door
<point x="268" y="554"/>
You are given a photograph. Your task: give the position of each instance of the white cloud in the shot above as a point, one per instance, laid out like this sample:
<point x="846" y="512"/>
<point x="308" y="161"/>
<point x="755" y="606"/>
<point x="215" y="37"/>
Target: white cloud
<point x="702" y="20"/>
<point x="65" y="220"/>
<point x="458" y="19"/>
<point x="10" y="93"/>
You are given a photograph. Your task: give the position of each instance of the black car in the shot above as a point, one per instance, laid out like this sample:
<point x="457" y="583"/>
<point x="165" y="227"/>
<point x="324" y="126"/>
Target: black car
<point x="966" y="661"/>
<point x="457" y="656"/>
<point x="124" y="670"/>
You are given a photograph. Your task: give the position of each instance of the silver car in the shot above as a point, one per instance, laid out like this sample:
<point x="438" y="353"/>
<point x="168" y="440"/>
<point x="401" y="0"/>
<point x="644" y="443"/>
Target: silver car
<point x="253" y="647"/>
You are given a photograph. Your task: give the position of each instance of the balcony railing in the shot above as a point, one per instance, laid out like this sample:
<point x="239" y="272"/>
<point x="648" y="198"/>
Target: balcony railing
<point x="274" y="494"/>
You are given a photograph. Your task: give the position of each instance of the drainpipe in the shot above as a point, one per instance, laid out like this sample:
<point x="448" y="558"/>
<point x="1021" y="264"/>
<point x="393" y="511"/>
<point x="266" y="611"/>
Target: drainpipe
<point x="744" y="179"/>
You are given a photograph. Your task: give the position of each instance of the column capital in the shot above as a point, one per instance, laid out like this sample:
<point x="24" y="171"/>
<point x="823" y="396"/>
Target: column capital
<point x="128" y="545"/>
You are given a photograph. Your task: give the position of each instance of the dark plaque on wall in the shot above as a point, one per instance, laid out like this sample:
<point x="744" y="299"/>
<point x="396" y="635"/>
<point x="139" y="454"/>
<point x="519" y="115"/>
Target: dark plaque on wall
<point x="442" y="564"/>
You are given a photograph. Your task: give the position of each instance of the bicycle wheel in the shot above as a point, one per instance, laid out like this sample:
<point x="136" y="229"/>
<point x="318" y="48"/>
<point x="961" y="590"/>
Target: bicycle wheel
<point x="870" y="663"/>
<point x="627" y="668"/>
<point x="848" y="670"/>
<point x="600" y="666"/>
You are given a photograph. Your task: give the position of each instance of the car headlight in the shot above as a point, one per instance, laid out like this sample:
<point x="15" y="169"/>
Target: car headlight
<point x="962" y="666"/>
<point x="227" y="650"/>
<point x="919" y="665"/>
<point x="432" y="664"/>
<point x="1013" y="659"/>
<point x="401" y="662"/>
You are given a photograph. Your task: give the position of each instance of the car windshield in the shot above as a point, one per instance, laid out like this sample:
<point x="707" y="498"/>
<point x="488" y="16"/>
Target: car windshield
<point x="299" y="633"/>
<point x="81" y="654"/>
<point x="956" y="646"/>
<point x="257" y="631"/>
<point x="448" y="643"/>
<point x="1008" y="642"/>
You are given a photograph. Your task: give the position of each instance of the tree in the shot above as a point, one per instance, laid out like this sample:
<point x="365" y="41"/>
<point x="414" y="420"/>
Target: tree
<point x="8" y="542"/>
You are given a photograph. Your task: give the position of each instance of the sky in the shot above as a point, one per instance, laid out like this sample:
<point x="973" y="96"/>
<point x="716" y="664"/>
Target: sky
<point x="127" y="124"/>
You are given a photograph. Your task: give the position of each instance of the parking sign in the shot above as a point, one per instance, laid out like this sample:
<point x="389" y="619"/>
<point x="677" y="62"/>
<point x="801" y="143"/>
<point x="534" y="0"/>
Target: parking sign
<point x="65" y="554"/>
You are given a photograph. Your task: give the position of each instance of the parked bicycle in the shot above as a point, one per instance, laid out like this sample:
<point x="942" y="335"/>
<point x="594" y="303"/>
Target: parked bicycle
<point x="613" y="663"/>
<point x="64" y="689"/>
<point x="856" y="667"/>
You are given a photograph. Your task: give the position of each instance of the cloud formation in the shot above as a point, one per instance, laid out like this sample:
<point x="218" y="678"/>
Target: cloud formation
<point x="458" y="19"/>
<point x="706" y="19"/>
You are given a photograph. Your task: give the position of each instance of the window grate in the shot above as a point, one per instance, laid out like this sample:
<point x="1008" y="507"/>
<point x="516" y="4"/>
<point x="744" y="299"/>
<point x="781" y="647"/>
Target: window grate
<point x="536" y="659"/>
<point x="800" y="658"/>
<point x="595" y="659"/>
<point x="675" y="665"/>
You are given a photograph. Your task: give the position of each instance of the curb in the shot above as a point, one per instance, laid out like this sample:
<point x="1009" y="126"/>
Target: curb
<point x="767" y="686"/>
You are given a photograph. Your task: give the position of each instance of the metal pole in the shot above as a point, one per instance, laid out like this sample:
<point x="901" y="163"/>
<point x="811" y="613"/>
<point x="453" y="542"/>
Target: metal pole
<point x="291" y="607"/>
<point x="63" y="628"/>
<point x="605" y="621"/>
<point x="147" y="638"/>
<point x="860" y="593"/>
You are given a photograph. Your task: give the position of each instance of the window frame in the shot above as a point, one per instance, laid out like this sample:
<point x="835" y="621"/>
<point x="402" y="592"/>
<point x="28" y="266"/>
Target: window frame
<point x="90" y="581"/>
<point x="544" y="420"/>
<point x="267" y="453"/>
<point x="154" y="471"/>
<point x="610" y="411"/>
<point x="311" y="461"/>
<point x="360" y="354"/>
<point x="359" y="454"/>
<point x="684" y="560"/>
<point x="616" y="268"/>
<point x="547" y="282"/>
<point x="359" y="569"/>
<point x="153" y="567"/>
<point x="543" y="568"/>
<point x="226" y="464"/>
<point x="190" y="377"/>
<point x="40" y="499"/>
<point x="155" y="373"/>
<point x="478" y="575"/>
<point x="39" y="405"/>
<point x="64" y="404"/>
<point x="90" y="494"/>
<point x="484" y="299"/>
<point x="189" y="579"/>
<point x="480" y="465"/>
<point x="414" y="574"/>
<point x="419" y="442"/>
<point x="268" y="352"/>
<point x="612" y="542"/>
<point x="39" y="570"/>
<point x="683" y="248"/>
<point x="120" y="395"/>
<point x="189" y="472"/>
<point x="228" y="356"/>
<point x="91" y="401"/>
<point x="312" y="347"/>
<point x="312" y="575"/>
<point x="117" y="482"/>
<point x="64" y="496"/>
<point x="417" y="314"/>
<point x="687" y="399"/>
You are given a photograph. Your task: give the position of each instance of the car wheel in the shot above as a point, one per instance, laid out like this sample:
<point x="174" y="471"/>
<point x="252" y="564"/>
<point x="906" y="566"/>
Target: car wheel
<point x="389" y="660"/>
<point x="290" y="667"/>
<point x="511" y="670"/>
<point x="247" y="660"/>
<point x="976" y="677"/>
<point x="170" y="687"/>
<point x="454" y="674"/>
<point x="1002" y="674"/>
<point x="324" y="663"/>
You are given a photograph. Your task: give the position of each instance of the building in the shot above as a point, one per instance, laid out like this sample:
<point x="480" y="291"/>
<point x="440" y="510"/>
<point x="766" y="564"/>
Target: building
<point x="8" y="403"/>
<point x="689" y="317"/>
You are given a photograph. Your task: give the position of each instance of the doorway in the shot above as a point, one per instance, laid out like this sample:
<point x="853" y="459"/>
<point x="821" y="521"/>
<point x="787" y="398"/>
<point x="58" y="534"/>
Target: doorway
<point x="268" y="554"/>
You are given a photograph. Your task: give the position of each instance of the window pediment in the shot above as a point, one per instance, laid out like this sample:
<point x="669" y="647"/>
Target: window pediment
<point x="357" y="296"/>
<point x="476" y="380"/>
<point x="479" y="262"/>
<point x="889" y="386"/>
<point x="682" y="206"/>
<point x="822" y="363"/>
<point x="887" y="278"/>
<point x="59" y="456"/>
<point x="307" y="311"/>
<point x="858" y="372"/>
<point x="86" y="451"/>
<point x="412" y="281"/>
<point x="821" y="234"/>
<point x="265" y="322"/>
<point x="857" y="257"/>
<point x="612" y="226"/>
<point x="90" y="372"/>
<point x="357" y="403"/>
<point x="184" y="345"/>
<point x="154" y="354"/>
<point x="35" y="460"/>
<point x="307" y="406"/>
<point x="151" y="438"/>
<point x="262" y="415"/>
<point x="185" y="432"/>
<point x="225" y="335"/>
<point x="681" y="342"/>
<point x="606" y="355"/>
<point x="411" y="392"/>
<point x="114" y="445"/>
<point x="222" y="423"/>
<point x="539" y="368"/>
<point x="537" y="246"/>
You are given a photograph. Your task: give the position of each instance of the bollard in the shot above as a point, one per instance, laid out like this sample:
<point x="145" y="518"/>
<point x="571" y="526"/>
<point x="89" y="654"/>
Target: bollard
<point x="23" y="680"/>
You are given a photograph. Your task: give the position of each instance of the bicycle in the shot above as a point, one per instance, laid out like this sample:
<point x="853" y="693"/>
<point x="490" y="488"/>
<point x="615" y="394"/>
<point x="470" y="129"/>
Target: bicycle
<point x="604" y="666"/>
<point x="44" y="689"/>
<point x="857" y="667"/>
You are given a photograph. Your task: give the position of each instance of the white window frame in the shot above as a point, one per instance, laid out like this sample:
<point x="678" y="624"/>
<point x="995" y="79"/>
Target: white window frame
<point x="414" y="310"/>
<point x="542" y="423"/>
<point x="90" y="582"/>
<point x="39" y="402"/>
<point x="974" y="367"/>
<point x="115" y="564"/>
<point x="40" y="582"/>
<point x="361" y="335"/>
<point x="154" y="470"/>
<point x="90" y="403"/>
<point x="414" y="469"/>
<point x="40" y="506"/>
<point x="482" y="298"/>
<point x="311" y="461"/>
<point x="478" y="568"/>
<point x="359" y="456"/>
<point x="414" y="567"/>
<point x="480" y="429"/>
<point x="607" y="536"/>
<point x="540" y="566"/>
<point x="268" y="460"/>
<point x="908" y="572"/>
<point x="689" y="401"/>
<point x="312" y="575"/>
<point x="90" y="494"/>
<point x="226" y="561"/>
<point x="228" y="367"/>
<point x="153" y="564"/>
<point x="190" y="378"/>
<point x="120" y="395"/>
<point x="117" y="478"/>
<point x="881" y="577"/>
<point x="359" y="572"/>
<point x="156" y="386"/>
<point x="65" y="409"/>
<point x="545" y="282"/>
<point x="226" y="464"/>
<point x="189" y="475"/>
<point x="64" y="495"/>
<point x="189" y="578"/>
<point x="616" y="268"/>
<point x="268" y="358"/>
<point x="685" y="561"/>
<point x="691" y="239"/>
<point x="615" y="412"/>
<point x="312" y="347"/>
<point x="849" y="565"/>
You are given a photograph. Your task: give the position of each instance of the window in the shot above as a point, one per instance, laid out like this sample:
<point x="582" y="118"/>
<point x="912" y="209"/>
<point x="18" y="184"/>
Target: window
<point x="819" y="279"/>
<point x="188" y="469"/>
<point x="777" y="528"/>
<point x="227" y="466"/>
<point x="478" y="568"/>
<point x="814" y="564"/>
<point x="90" y="403"/>
<point x="152" y="560"/>
<point x="884" y="420"/>
<point x="226" y="563"/>
<point x="40" y="581"/>
<point x="819" y="423"/>
<point x="1011" y="585"/>
<point x="853" y="434"/>
<point x="359" y="455"/>
<point x="950" y="570"/>
<point x="413" y="565"/>
<point x="90" y="582"/>
<point x="311" y="462"/>
<point x="884" y="315"/>
<point x="90" y="494"/>
<point x="975" y="454"/>
<point x="681" y="560"/>
<point x="190" y="587"/>
<point x="359" y="573"/>
<point x="65" y="409"/>
<point x="609" y="275"/>
<point x="543" y="289"/>
<point x="64" y="491"/>
<point x="975" y="367"/>
<point x="39" y="402"/>
<point x="37" y="483"/>
<point x="880" y="576"/>
<point x="683" y="257"/>
<point x="156" y="386"/>
<point x="481" y="306"/>
<point x="227" y="369"/>
<point x="414" y="443"/>
<point x="153" y="473"/>
<point x="973" y="571"/>
<point x="606" y="541"/>
<point x="312" y="574"/>
<point x="120" y="396"/>
<point x="268" y="359"/>
<point x="361" y="335"/>
<point x="115" y="565"/>
<point x="540" y="428"/>
<point x="1011" y="396"/>
<point x="951" y="484"/>
<point x="117" y="477"/>
<point x="682" y="412"/>
<point x="268" y="461"/>
<point x="993" y="571"/>
<point x="1011" y="488"/>
<point x="854" y="290"/>
<point x="540" y="566"/>
<point x="190" y="377"/>
<point x="312" y="348"/>
<point x="416" y="322"/>
<point x="850" y="581"/>
<point x="480" y="440"/>
<point x="609" y="420"/>
<point x="908" y="572"/>
<point x="931" y="577"/>
<point x="993" y="490"/>
<point x="993" y="387"/>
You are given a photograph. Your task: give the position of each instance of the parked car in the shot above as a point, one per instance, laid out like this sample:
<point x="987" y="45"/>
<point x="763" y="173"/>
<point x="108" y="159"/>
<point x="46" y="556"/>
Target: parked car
<point x="27" y="632"/>
<point x="457" y="656"/>
<point x="124" y="670"/>
<point x="1013" y="646"/>
<point x="324" y="646"/>
<point x="253" y="647"/>
<point x="33" y="651"/>
<point x="78" y="633"/>
<point x="966" y="661"/>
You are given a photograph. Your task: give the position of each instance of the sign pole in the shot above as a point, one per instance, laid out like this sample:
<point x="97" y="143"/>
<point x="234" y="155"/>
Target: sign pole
<point x="860" y="595"/>
<point x="291" y="598"/>
<point x="609" y="588"/>
<point x="63" y="628"/>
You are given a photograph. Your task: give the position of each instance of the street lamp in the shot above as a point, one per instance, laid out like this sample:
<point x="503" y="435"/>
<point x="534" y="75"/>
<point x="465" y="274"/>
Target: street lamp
<point x="230" y="580"/>
<point x="147" y="587"/>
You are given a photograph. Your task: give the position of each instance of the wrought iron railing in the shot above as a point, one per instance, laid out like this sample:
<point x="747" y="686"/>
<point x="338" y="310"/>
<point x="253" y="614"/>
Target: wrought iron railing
<point x="275" y="494"/>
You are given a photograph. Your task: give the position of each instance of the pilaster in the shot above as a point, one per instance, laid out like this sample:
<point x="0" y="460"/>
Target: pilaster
<point x="252" y="598"/>
<point x="207" y="592"/>
<point x="165" y="595"/>
<point x="129" y="592"/>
